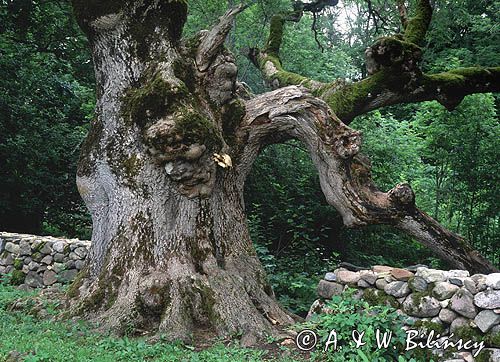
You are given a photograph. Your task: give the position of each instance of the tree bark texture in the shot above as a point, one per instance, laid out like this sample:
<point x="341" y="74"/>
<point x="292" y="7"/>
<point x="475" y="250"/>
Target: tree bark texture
<point x="163" y="168"/>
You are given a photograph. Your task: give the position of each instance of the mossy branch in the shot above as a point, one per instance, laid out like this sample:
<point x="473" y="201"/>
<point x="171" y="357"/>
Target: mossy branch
<point x="417" y="25"/>
<point x="269" y="62"/>
<point x="389" y="87"/>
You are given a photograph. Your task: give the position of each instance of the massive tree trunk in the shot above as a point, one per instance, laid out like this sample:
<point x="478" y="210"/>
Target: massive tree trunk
<point x="163" y="168"/>
<point x="170" y="244"/>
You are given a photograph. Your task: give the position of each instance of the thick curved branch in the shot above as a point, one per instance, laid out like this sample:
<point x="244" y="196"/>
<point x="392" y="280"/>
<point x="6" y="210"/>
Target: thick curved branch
<point x="269" y="62"/>
<point x="390" y="86"/>
<point x="345" y="179"/>
<point x="417" y="26"/>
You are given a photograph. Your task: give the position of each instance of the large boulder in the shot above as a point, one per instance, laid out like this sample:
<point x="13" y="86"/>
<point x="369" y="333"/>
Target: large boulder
<point x="463" y="303"/>
<point x="489" y="299"/>
<point x="421" y="306"/>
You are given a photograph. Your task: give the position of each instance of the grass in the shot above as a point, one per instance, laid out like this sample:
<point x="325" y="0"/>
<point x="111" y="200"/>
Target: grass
<point x="43" y="339"/>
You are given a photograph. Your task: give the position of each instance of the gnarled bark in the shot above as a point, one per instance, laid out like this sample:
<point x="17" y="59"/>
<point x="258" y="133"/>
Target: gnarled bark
<point x="163" y="168"/>
<point x="170" y="249"/>
<point x="345" y="179"/>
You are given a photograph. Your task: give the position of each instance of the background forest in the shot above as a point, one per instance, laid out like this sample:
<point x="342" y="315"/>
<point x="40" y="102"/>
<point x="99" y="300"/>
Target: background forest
<point x="449" y="158"/>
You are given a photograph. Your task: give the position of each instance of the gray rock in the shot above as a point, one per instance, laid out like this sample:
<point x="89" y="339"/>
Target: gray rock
<point x="463" y="303"/>
<point x="79" y="264"/>
<point x="49" y="277"/>
<point x="81" y="252"/>
<point x="368" y="276"/>
<point x="489" y="299"/>
<point x="24" y="248"/>
<point x="2" y="245"/>
<point x="470" y="285"/>
<point x="418" y="284"/>
<point x="73" y="256"/>
<point x="67" y="276"/>
<point x="27" y="260"/>
<point x="58" y="258"/>
<point x="25" y="268"/>
<point x="425" y="306"/>
<point x="12" y="248"/>
<point x="347" y="277"/>
<point x="480" y="280"/>
<point x="58" y="267"/>
<point x="493" y="280"/>
<point x="486" y="319"/>
<point x="432" y="275"/>
<point x="33" y="266"/>
<point x="363" y="284"/>
<point x="47" y="248"/>
<point x="25" y="288"/>
<point x="444" y="290"/>
<point x="330" y="277"/>
<point x="447" y="315"/>
<point x="458" y="274"/>
<point x="59" y="246"/>
<point x="33" y="280"/>
<point x="456" y="281"/>
<point x="47" y="259"/>
<point x="414" y="268"/>
<point x="380" y="284"/>
<point x="495" y="329"/>
<point x="7" y="260"/>
<point x="329" y="289"/>
<point x="70" y="264"/>
<point x="397" y="289"/>
<point x="458" y="323"/>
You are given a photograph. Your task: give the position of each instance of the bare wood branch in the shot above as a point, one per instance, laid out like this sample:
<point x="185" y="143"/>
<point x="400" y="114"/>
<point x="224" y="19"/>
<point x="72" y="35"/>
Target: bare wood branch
<point x="345" y="178"/>
<point x="214" y="39"/>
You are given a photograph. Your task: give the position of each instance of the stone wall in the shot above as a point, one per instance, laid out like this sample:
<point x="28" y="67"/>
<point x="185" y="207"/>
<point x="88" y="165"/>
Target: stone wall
<point x="39" y="261"/>
<point x="444" y="301"/>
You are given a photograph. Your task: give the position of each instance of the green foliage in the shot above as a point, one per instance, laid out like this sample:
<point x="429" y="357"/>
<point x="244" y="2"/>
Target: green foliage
<point x="50" y="340"/>
<point x="46" y="101"/>
<point x="348" y="314"/>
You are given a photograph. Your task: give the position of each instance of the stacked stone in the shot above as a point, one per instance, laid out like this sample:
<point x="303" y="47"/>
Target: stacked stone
<point x="40" y="261"/>
<point x="445" y="301"/>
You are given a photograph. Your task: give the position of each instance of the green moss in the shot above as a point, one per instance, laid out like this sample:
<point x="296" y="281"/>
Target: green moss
<point x="196" y="128"/>
<point x="18" y="264"/>
<point x="493" y="339"/>
<point x="484" y="356"/>
<point x="152" y="100"/>
<point x="17" y="277"/>
<point x="468" y="334"/>
<point x="376" y="297"/>
<point x="427" y="326"/>
<point x="91" y="143"/>
<point x="418" y="25"/>
<point x="284" y="77"/>
<point x="39" y="247"/>
<point x="73" y="290"/>
<point x="131" y="166"/>
<point x="232" y="114"/>
<point x="275" y="35"/>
